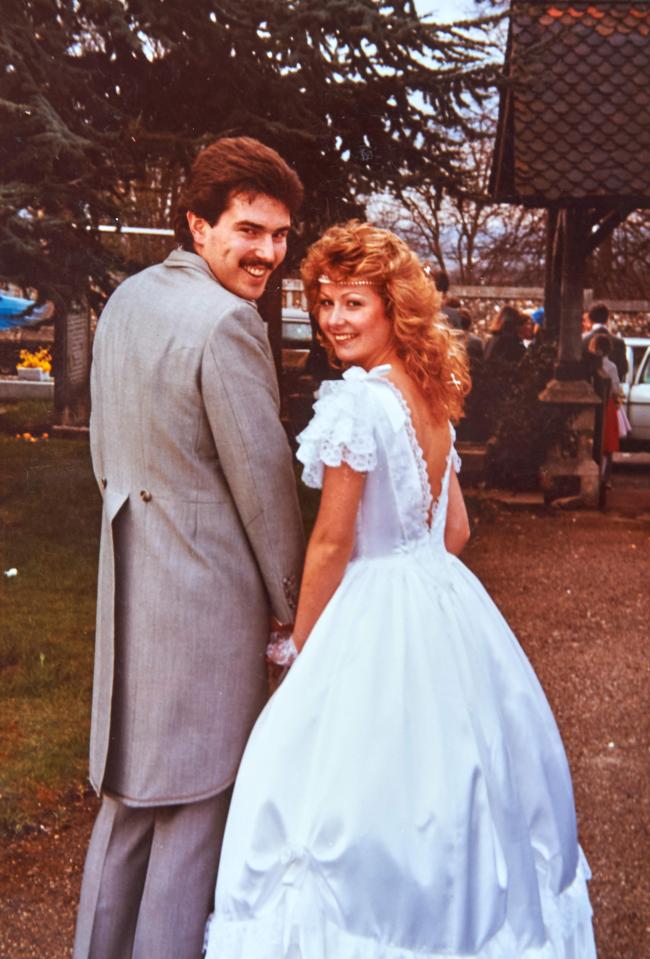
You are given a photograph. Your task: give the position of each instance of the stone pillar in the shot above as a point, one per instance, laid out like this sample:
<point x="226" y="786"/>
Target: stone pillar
<point x="575" y="456"/>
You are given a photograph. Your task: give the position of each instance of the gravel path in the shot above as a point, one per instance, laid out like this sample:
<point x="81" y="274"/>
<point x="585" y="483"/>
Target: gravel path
<point x="574" y="586"/>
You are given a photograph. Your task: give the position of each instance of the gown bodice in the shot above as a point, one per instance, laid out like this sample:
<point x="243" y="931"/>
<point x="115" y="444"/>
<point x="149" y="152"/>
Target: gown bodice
<point x="364" y="421"/>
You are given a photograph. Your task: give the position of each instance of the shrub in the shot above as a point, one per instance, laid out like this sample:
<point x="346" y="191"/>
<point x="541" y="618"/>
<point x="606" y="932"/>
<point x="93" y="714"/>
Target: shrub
<point x="505" y="410"/>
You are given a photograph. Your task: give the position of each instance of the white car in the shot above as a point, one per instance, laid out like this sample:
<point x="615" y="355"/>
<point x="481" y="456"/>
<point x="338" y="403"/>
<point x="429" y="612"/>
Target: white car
<point x="296" y="328"/>
<point x="636" y="388"/>
<point x="296" y="338"/>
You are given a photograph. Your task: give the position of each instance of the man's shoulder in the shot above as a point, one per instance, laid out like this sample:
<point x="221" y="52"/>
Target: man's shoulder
<point x="182" y="285"/>
<point x="135" y="282"/>
<point x="193" y="276"/>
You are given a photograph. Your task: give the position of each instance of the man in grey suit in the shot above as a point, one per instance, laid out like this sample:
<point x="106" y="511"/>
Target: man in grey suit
<point x="201" y="550"/>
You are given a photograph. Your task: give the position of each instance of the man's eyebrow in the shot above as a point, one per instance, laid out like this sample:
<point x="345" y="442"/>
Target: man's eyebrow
<point x="259" y="226"/>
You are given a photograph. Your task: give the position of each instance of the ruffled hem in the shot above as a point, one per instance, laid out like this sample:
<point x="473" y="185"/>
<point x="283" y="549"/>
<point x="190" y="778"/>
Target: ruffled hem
<point x="567" y="919"/>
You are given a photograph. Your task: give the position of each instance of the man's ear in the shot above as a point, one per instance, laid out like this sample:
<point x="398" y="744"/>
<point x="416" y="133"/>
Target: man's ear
<point x="198" y="227"/>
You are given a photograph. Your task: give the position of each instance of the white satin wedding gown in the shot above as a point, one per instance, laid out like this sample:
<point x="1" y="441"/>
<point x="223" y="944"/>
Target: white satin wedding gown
<point x="405" y="793"/>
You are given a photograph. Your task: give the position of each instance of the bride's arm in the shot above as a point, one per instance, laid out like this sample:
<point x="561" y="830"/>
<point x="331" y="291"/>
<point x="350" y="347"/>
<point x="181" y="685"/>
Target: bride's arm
<point x="330" y="546"/>
<point x="457" y="525"/>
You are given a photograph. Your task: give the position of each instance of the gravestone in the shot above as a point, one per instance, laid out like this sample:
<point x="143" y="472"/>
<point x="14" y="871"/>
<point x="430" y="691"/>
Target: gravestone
<point x="72" y="353"/>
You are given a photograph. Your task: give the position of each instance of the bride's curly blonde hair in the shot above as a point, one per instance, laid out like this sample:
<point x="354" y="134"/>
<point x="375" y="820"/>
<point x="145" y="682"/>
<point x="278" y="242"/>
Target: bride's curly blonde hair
<point x="433" y="354"/>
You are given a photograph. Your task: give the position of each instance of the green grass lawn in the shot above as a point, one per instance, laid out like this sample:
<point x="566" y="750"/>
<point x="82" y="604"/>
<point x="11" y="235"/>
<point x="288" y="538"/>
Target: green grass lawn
<point x="49" y="510"/>
<point x="49" y="529"/>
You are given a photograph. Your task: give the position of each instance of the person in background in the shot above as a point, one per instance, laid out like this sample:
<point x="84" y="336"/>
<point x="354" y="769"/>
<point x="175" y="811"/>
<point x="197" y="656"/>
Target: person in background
<point x="507" y="335"/>
<point x="441" y="280"/>
<point x="472" y="425"/>
<point x="473" y="343"/>
<point x="538" y="317"/>
<point x="600" y="347"/>
<point x="526" y="329"/>
<point x="600" y="323"/>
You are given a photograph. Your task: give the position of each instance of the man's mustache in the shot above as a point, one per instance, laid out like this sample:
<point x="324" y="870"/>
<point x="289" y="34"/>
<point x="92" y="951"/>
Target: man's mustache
<point x="263" y="263"/>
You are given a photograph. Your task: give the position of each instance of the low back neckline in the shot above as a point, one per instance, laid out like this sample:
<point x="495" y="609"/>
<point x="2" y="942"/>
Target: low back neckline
<point x="430" y="505"/>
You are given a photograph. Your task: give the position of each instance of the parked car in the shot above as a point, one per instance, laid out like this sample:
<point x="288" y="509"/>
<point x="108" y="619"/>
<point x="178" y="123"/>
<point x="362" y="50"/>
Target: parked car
<point x="636" y="388"/>
<point x="296" y="338"/>
<point x="16" y="312"/>
<point x="296" y="328"/>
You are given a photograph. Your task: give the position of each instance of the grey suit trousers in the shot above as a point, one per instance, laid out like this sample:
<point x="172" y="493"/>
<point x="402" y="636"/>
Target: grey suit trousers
<point x="149" y="880"/>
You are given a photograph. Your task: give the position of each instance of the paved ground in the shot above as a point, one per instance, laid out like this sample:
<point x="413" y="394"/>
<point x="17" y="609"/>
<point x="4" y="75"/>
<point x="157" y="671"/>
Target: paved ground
<point x="574" y="586"/>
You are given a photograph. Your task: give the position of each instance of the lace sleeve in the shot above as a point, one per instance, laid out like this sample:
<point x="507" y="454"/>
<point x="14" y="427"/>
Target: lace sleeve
<point x="340" y="431"/>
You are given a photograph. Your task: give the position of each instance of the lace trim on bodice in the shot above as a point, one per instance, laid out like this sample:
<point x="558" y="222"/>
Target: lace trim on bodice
<point x="420" y="462"/>
<point x="430" y="506"/>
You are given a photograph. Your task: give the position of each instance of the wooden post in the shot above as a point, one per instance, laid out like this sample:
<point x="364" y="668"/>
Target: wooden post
<point x="574" y="226"/>
<point x="552" y="275"/>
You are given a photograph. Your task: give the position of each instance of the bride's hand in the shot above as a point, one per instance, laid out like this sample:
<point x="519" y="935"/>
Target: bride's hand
<point x="281" y="652"/>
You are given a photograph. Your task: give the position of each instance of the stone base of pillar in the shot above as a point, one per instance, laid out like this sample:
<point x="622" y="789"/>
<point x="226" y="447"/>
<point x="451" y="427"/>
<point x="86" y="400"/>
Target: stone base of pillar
<point x="570" y="393"/>
<point x="576" y="458"/>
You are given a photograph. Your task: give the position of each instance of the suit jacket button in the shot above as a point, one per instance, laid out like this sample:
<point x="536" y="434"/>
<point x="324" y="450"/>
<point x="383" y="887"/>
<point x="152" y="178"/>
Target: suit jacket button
<point x="145" y="495"/>
<point x="104" y="482"/>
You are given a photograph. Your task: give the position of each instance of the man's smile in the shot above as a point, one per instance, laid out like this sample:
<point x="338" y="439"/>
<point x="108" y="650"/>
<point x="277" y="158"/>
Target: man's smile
<point x="257" y="269"/>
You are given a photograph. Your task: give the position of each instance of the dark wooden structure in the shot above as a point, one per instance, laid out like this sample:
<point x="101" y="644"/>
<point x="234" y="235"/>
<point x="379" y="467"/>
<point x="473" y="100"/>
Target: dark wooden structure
<point x="574" y="137"/>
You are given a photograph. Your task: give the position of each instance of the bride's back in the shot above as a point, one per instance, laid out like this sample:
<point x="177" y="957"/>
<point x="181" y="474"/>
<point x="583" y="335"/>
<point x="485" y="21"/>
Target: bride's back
<point x="404" y="500"/>
<point x="431" y="431"/>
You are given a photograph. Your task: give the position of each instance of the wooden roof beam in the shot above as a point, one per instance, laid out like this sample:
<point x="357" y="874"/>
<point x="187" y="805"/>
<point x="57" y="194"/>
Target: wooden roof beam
<point x="606" y="226"/>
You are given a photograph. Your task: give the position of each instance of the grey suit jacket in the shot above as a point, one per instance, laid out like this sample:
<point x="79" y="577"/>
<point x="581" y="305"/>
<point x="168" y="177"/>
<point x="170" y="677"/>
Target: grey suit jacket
<point x="201" y="534"/>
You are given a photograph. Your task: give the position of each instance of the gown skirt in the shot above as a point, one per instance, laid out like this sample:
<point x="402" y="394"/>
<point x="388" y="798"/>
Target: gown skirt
<point x="405" y="794"/>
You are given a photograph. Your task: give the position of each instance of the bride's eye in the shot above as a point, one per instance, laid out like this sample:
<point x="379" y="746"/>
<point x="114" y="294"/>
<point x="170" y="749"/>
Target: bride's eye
<point x="324" y="303"/>
<point x="355" y="303"/>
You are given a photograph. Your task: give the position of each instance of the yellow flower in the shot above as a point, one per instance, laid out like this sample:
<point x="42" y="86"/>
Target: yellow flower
<point x="40" y="359"/>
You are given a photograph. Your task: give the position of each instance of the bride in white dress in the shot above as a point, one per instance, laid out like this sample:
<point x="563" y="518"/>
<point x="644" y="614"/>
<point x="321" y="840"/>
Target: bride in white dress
<point x="405" y="793"/>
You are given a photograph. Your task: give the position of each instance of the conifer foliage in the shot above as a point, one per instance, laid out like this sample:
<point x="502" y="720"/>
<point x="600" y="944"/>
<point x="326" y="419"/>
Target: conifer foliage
<point x="358" y="95"/>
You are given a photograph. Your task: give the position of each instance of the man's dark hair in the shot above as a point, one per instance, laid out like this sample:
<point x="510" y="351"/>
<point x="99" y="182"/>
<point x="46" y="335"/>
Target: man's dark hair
<point x="441" y="280"/>
<point x="227" y="168"/>
<point x="599" y="314"/>
<point x="465" y="319"/>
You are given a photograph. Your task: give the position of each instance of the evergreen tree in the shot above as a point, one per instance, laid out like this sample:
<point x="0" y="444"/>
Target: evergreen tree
<point x="98" y="98"/>
<point x="58" y="142"/>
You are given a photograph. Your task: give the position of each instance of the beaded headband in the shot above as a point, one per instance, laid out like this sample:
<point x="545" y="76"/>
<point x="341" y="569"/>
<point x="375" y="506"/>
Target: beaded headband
<point x="326" y="279"/>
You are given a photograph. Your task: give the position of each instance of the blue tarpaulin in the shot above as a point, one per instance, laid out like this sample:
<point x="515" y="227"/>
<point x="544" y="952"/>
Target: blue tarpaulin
<point x="16" y="312"/>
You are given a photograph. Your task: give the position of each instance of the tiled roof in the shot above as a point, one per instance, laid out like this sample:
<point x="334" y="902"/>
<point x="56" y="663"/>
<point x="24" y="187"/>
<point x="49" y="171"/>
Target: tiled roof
<point x="574" y="123"/>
